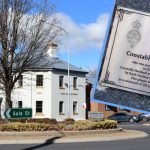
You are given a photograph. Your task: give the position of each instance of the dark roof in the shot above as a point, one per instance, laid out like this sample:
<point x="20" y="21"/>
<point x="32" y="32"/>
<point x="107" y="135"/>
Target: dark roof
<point x="57" y="64"/>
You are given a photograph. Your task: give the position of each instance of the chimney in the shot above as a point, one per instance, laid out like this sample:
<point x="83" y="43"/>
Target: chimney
<point x="52" y="50"/>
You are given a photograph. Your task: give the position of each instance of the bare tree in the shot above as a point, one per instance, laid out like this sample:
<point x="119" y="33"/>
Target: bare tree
<point x="92" y="73"/>
<point x="26" y="28"/>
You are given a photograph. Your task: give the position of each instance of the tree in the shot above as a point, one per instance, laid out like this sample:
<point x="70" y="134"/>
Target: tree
<point x="92" y="73"/>
<point x="26" y="28"/>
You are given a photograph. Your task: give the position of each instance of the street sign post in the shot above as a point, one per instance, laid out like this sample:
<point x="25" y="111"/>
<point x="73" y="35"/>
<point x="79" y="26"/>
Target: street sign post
<point x="18" y="113"/>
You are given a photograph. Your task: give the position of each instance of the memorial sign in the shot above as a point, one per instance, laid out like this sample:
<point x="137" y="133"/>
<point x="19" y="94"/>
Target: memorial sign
<point x="124" y="74"/>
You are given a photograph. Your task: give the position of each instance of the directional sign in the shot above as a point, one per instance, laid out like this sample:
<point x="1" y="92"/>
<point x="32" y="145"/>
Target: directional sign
<point x="18" y="113"/>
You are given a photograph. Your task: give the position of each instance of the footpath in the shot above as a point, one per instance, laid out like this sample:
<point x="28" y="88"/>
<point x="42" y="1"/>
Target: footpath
<point x="69" y="136"/>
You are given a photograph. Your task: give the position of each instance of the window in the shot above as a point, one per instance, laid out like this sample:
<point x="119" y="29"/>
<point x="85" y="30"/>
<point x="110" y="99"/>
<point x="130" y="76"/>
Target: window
<point x="10" y="104"/>
<point x="39" y="80"/>
<point x="75" y="108"/>
<point x="19" y="104"/>
<point x="61" y="78"/>
<point x="39" y="106"/>
<point x="110" y="108"/>
<point x="0" y="106"/>
<point x="75" y="82"/>
<point x="122" y="109"/>
<point x="61" y="107"/>
<point x="20" y="81"/>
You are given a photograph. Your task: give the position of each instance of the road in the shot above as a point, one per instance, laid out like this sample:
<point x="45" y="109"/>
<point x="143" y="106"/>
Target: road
<point x="134" y="144"/>
<point x="136" y="126"/>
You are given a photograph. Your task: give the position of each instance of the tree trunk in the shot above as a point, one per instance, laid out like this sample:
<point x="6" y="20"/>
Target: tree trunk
<point x="8" y="99"/>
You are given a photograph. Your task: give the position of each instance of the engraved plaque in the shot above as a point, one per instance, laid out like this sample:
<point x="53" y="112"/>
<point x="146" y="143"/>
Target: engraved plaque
<point x="127" y="60"/>
<point x="123" y="77"/>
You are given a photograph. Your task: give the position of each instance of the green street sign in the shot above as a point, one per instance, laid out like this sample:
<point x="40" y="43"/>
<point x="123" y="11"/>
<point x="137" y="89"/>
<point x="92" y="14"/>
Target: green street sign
<point x="18" y="113"/>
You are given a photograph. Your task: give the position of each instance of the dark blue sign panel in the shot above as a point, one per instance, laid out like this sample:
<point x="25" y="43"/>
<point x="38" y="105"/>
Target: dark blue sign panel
<point x="123" y="77"/>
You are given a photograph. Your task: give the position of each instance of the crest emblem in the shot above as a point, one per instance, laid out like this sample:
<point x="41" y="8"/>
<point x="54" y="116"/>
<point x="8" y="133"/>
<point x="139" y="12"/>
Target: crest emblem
<point x="134" y="35"/>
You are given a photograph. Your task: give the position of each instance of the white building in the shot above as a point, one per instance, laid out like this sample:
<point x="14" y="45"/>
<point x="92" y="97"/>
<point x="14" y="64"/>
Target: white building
<point x="45" y="90"/>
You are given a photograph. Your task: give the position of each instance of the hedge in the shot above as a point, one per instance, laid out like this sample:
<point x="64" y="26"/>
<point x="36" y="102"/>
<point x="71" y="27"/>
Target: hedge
<point x="78" y="125"/>
<point x="69" y="121"/>
<point x="89" y="125"/>
<point x="19" y="127"/>
<point x="37" y="120"/>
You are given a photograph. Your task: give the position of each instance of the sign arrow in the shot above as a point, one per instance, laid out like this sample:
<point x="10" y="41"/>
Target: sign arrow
<point x="7" y="113"/>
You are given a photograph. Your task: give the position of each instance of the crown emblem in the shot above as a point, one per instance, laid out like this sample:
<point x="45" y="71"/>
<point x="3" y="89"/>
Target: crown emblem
<point x="136" y="25"/>
<point x="134" y="36"/>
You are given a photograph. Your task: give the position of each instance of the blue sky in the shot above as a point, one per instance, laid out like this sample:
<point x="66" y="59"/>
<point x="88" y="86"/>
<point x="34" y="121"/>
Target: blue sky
<point x="86" y="22"/>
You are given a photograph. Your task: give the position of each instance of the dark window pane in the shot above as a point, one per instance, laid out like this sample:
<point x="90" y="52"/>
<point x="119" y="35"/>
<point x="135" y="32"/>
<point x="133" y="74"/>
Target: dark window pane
<point x="61" y="107"/>
<point x="75" y="107"/>
<point x="19" y="104"/>
<point x="10" y="104"/>
<point x="39" y="106"/>
<point x="75" y="82"/>
<point x="0" y="106"/>
<point x="20" y="81"/>
<point x="39" y="80"/>
<point x="110" y="108"/>
<point x="61" y="81"/>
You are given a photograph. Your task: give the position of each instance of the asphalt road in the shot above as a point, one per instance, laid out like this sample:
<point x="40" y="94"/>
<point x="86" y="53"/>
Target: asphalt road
<point x="136" y="126"/>
<point x="135" y="144"/>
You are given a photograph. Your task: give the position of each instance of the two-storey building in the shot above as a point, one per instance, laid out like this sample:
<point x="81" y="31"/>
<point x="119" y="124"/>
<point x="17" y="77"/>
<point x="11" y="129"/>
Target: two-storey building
<point x="45" y="89"/>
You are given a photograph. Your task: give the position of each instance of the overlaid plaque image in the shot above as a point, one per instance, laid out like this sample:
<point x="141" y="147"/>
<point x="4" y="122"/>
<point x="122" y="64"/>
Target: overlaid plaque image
<point x="127" y="61"/>
<point x="124" y="75"/>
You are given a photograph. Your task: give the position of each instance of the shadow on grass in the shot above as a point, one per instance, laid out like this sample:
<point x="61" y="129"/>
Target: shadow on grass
<point x="48" y="142"/>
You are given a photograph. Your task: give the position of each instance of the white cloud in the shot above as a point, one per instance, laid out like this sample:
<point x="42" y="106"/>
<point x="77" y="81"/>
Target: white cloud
<point x="84" y="36"/>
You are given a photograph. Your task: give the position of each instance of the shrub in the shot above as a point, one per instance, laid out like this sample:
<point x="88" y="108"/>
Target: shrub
<point x="38" y="120"/>
<point x="69" y="121"/>
<point x="78" y="125"/>
<point x="19" y="127"/>
<point x="61" y="126"/>
<point x="89" y="125"/>
<point x="43" y="120"/>
<point x="2" y="121"/>
<point x="110" y="124"/>
<point x="51" y="121"/>
<point x="18" y="120"/>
